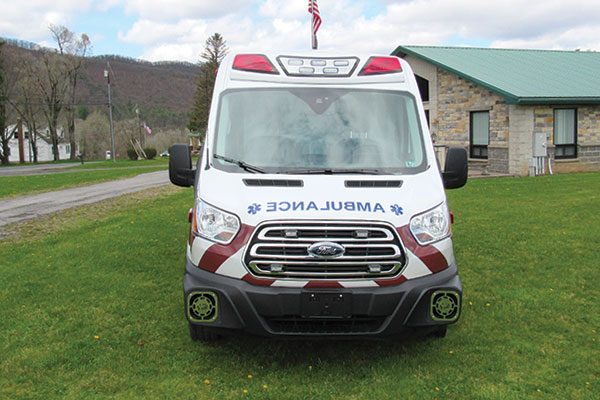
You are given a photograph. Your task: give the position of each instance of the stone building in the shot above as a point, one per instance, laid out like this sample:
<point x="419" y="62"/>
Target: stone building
<point x="494" y="102"/>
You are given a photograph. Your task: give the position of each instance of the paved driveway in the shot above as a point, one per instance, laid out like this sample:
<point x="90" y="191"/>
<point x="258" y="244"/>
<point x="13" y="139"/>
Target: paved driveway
<point x="26" y="207"/>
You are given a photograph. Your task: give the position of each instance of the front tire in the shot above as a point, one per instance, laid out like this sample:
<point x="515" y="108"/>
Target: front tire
<point x="204" y="334"/>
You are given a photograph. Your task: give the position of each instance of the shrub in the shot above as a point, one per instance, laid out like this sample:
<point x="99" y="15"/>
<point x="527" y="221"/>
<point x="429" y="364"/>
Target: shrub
<point x="132" y="154"/>
<point x="150" y="153"/>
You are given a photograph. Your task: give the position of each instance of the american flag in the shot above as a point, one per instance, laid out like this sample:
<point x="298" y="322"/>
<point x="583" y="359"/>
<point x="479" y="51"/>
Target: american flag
<point x="313" y="9"/>
<point x="147" y="129"/>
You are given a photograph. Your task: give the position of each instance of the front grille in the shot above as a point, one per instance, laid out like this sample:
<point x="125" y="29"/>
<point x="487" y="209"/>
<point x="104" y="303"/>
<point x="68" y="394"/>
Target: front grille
<point x="281" y="249"/>
<point x="299" y="325"/>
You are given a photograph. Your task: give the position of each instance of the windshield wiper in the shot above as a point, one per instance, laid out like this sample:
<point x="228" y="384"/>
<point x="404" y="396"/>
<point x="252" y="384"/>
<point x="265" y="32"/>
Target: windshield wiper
<point x="241" y="164"/>
<point x="334" y="171"/>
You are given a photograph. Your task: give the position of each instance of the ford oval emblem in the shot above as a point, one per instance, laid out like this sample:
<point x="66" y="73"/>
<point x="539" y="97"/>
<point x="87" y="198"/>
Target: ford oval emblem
<point x="326" y="250"/>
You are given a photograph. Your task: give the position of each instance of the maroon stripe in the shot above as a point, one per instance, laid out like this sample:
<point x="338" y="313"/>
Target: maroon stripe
<point x="323" y="284"/>
<point x="217" y="254"/>
<point x="391" y="282"/>
<point x="257" y="281"/>
<point x="431" y="256"/>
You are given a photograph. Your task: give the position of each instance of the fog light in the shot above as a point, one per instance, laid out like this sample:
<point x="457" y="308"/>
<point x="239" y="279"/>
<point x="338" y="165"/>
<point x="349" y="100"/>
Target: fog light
<point x="202" y="306"/>
<point x="445" y="305"/>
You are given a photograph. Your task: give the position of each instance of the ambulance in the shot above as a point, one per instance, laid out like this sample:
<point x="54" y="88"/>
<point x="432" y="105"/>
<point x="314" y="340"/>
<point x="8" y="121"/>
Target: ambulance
<point x="319" y="203"/>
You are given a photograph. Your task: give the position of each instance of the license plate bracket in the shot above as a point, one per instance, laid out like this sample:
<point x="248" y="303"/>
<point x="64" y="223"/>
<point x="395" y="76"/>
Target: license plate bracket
<point x="326" y="305"/>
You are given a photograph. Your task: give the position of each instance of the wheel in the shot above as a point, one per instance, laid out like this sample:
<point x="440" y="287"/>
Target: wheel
<point x="202" y="334"/>
<point x="440" y="332"/>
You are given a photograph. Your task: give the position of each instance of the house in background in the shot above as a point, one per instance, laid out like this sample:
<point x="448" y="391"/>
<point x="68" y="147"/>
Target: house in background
<point x="44" y="147"/>
<point x="494" y="102"/>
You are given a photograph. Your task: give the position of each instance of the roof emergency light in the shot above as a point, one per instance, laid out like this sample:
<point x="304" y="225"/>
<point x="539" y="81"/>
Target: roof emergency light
<point x="318" y="66"/>
<point x="254" y="63"/>
<point x="381" y="65"/>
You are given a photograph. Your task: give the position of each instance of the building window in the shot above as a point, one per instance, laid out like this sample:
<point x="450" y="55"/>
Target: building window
<point x="423" y="85"/>
<point x="479" y="134"/>
<point x="565" y="133"/>
<point x="68" y="149"/>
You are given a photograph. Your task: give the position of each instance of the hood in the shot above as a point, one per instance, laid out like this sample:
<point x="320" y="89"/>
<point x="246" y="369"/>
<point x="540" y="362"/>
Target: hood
<point x="254" y="199"/>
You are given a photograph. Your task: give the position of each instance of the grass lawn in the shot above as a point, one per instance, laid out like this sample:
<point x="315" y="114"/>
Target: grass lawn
<point x="157" y="162"/>
<point x="76" y="176"/>
<point x="96" y="164"/>
<point x="93" y="309"/>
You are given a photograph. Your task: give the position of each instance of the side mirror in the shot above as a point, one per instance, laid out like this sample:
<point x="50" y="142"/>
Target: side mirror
<point x="456" y="170"/>
<point x="180" y="165"/>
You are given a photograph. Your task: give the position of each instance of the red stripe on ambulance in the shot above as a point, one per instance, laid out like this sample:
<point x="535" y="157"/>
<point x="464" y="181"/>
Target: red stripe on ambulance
<point x="431" y="257"/>
<point x="217" y="254"/>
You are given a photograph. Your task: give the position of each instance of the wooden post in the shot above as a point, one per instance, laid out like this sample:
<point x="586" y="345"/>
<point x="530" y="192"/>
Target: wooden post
<point x="21" y="142"/>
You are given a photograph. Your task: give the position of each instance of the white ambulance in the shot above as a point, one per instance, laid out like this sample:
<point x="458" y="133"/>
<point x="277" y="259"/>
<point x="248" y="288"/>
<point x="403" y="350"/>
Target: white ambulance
<point x="319" y="204"/>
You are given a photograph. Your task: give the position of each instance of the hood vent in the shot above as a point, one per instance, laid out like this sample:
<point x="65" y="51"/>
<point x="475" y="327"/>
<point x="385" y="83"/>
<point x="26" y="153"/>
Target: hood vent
<point x="373" y="184"/>
<point x="274" y="182"/>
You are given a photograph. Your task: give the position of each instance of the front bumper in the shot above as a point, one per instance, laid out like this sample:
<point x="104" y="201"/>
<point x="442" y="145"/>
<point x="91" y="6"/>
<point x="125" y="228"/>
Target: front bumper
<point x="276" y="311"/>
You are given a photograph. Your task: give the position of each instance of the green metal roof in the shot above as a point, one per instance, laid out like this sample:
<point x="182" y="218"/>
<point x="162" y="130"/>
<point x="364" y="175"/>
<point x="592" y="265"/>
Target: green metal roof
<point x="521" y="76"/>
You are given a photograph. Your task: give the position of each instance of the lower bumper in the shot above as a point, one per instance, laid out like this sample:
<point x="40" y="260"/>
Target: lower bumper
<point x="276" y="311"/>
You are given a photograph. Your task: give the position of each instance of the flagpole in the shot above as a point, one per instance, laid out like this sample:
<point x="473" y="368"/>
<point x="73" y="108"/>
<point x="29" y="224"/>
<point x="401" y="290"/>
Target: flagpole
<point x="312" y="26"/>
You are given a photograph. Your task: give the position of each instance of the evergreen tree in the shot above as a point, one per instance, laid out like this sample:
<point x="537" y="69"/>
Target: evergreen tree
<point x="214" y="50"/>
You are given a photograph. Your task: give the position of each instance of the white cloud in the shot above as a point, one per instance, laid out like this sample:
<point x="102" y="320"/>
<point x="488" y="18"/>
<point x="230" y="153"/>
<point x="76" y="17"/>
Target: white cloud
<point x="178" y="29"/>
<point x="285" y="25"/>
<point x="177" y="9"/>
<point x="29" y="20"/>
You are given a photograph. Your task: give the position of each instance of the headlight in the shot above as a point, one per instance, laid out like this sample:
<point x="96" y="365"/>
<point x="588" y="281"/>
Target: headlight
<point x="432" y="225"/>
<point x="214" y="224"/>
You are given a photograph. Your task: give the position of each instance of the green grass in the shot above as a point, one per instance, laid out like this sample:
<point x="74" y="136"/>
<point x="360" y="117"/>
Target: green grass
<point x="157" y="162"/>
<point x="96" y="164"/>
<point x="528" y="257"/>
<point x="30" y="184"/>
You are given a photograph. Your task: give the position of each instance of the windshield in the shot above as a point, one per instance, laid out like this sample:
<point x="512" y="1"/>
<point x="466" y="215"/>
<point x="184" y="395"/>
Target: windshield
<point x="318" y="130"/>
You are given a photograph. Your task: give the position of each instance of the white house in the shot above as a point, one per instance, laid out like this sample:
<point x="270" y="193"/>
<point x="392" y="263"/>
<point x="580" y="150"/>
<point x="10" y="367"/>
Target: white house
<point x="44" y="147"/>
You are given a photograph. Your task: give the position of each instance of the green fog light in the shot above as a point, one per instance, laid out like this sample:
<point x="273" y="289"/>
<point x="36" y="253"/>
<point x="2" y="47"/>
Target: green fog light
<point x="445" y="305"/>
<point x="202" y="306"/>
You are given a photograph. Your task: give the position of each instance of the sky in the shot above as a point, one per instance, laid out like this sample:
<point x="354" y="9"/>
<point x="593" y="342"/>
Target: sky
<point x="176" y="30"/>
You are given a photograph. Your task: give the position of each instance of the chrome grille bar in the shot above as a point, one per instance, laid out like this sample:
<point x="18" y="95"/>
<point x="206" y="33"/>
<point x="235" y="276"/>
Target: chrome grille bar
<point x="280" y="249"/>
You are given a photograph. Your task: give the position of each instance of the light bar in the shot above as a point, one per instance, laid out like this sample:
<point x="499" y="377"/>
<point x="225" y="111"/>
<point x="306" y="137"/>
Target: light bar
<point x="318" y="66"/>
<point x="381" y="65"/>
<point x="254" y="63"/>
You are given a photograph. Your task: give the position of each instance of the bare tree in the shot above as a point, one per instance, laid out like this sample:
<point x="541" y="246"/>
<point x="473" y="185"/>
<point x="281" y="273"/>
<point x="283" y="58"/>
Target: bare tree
<point x="23" y="97"/>
<point x="92" y="135"/>
<point x="74" y="49"/>
<point x="6" y="83"/>
<point x="4" y="149"/>
<point x="52" y="84"/>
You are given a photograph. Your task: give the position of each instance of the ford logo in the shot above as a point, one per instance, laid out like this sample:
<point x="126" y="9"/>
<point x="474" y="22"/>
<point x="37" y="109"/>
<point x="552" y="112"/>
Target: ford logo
<point x="326" y="250"/>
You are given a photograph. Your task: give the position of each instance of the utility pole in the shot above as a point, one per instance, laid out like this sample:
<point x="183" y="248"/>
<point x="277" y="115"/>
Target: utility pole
<point x="141" y="136"/>
<point x="110" y="116"/>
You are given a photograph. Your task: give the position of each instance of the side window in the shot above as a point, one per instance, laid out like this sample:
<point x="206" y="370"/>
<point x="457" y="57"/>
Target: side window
<point x="565" y="133"/>
<point x="479" y="134"/>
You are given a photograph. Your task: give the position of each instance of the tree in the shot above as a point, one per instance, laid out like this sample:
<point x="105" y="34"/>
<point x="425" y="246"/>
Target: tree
<point x="4" y="135"/>
<point x="214" y="50"/>
<point x="92" y="135"/>
<point x="52" y="84"/>
<point x="23" y="100"/>
<point x="74" y="50"/>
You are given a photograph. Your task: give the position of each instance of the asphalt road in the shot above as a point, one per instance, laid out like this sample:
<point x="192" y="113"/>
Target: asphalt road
<point x="35" y="169"/>
<point x="26" y="207"/>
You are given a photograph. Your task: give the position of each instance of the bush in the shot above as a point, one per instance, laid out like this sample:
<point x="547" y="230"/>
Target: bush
<point x="132" y="154"/>
<point x="150" y="153"/>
